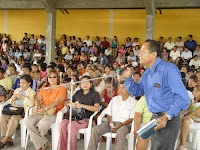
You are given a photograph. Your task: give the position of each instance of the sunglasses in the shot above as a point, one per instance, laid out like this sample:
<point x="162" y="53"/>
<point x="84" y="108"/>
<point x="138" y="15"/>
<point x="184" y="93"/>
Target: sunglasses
<point x="52" y="77"/>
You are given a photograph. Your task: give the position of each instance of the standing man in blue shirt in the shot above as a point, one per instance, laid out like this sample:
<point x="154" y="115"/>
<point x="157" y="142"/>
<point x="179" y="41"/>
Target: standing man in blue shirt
<point x="164" y="91"/>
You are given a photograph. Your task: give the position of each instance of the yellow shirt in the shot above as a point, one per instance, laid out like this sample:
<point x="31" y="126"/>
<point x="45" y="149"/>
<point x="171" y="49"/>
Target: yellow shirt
<point x="141" y="107"/>
<point x="64" y="50"/>
<point x="6" y="83"/>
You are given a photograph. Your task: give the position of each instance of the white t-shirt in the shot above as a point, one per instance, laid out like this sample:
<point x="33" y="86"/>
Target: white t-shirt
<point x="121" y="110"/>
<point x="100" y="87"/>
<point x="39" y="41"/>
<point x="181" y="43"/>
<point x="44" y="41"/>
<point x="131" y="58"/>
<point x="169" y="46"/>
<point x="89" y="42"/>
<point x="191" y="95"/>
<point x="174" y="55"/>
<point x="195" y="63"/>
<point x="68" y="57"/>
<point x="38" y="55"/>
<point x="32" y="41"/>
<point x="93" y="58"/>
<point x="26" y="55"/>
<point x="186" y="55"/>
<point x="136" y="52"/>
<point x="107" y="53"/>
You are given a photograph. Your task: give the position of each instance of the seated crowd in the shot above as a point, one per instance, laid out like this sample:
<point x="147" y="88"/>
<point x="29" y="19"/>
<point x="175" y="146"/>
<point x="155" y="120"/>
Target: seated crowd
<point x="24" y="75"/>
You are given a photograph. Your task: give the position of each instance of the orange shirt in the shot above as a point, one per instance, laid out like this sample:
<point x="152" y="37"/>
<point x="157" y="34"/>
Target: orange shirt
<point x="49" y="96"/>
<point x="82" y="71"/>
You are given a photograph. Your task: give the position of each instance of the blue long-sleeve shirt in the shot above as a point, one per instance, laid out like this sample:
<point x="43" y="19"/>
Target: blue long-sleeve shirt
<point x="191" y="45"/>
<point x="163" y="88"/>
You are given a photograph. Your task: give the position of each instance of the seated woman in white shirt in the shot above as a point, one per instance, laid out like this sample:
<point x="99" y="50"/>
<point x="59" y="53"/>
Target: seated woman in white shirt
<point x="37" y="54"/>
<point x="93" y="57"/>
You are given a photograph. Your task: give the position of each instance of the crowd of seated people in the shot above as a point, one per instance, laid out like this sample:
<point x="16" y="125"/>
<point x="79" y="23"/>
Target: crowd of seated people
<point x="23" y="72"/>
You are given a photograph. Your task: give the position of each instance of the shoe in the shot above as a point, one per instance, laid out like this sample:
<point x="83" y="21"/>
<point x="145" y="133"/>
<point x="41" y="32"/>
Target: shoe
<point x="1" y="145"/>
<point x="9" y="143"/>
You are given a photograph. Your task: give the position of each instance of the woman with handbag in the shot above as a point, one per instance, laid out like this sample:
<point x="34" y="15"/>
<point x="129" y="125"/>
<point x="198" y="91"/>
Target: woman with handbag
<point x="86" y="99"/>
<point x="22" y="98"/>
<point x="47" y="104"/>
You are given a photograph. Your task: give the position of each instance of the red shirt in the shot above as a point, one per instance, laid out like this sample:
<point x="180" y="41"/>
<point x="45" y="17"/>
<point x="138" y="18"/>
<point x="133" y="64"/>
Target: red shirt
<point x="105" y="44"/>
<point x="108" y="99"/>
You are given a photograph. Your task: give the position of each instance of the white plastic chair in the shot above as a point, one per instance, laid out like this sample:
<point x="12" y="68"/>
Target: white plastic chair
<point x="55" y="130"/>
<point x="25" y="137"/>
<point x="23" y="128"/>
<point x="194" y="135"/>
<point x="130" y="136"/>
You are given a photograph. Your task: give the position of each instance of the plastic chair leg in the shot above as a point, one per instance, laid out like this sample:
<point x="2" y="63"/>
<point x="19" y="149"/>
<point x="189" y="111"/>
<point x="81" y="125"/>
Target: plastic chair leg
<point x="190" y="136"/>
<point x="14" y="135"/>
<point x="198" y="139"/>
<point x="130" y="143"/>
<point x="78" y="136"/>
<point x="108" y="140"/>
<point x="27" y="136"/>
<point x="23" y="134"/>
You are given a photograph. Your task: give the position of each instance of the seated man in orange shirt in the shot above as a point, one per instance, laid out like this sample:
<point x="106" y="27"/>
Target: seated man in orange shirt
<point x="48" y="103"/>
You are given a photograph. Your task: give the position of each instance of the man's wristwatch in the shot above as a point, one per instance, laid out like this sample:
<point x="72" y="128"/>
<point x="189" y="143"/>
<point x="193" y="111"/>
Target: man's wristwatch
<point x="111" y="125"/>
<point x="168" y="117"/>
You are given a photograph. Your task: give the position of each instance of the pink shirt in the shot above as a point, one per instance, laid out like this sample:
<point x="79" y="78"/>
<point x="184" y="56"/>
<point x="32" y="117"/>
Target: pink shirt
<point x="43" y="74"/>
<point x="135" y="43"/>
<point x="123" y="51"/>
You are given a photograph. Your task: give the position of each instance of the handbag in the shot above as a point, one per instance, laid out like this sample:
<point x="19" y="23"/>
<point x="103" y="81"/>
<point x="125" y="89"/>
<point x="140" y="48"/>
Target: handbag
<point x="12" y="110"/>
<point x="77" y="114"/>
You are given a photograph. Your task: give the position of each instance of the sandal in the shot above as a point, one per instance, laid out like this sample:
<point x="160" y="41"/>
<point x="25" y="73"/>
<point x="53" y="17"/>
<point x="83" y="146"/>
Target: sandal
<point x="9" y="143"/>
<point x="181" y="147"/>
<point x="1" y="145"/>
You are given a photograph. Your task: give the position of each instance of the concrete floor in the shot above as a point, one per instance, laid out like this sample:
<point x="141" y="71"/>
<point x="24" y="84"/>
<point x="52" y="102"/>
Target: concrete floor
<point x="17" y="144"/>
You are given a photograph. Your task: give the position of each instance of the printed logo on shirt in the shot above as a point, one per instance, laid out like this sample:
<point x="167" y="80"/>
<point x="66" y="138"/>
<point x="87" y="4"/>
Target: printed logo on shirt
<point x="157" y="85"/>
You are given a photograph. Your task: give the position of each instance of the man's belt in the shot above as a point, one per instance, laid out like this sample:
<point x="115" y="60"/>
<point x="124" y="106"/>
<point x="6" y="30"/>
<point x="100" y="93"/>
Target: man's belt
<point x="160" y="113"/>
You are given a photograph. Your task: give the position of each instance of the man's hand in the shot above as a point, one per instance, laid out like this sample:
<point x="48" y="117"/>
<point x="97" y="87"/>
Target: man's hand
<point x="162" y="122"/>
<point x="127" y="73"/>
<point x="117" y="126"/>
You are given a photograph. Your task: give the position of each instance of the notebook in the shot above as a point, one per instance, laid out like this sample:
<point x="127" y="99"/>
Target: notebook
<point x="146" y="131"/>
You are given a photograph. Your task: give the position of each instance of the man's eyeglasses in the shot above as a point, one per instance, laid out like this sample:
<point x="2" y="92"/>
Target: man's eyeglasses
<point x="50" y="77"/>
